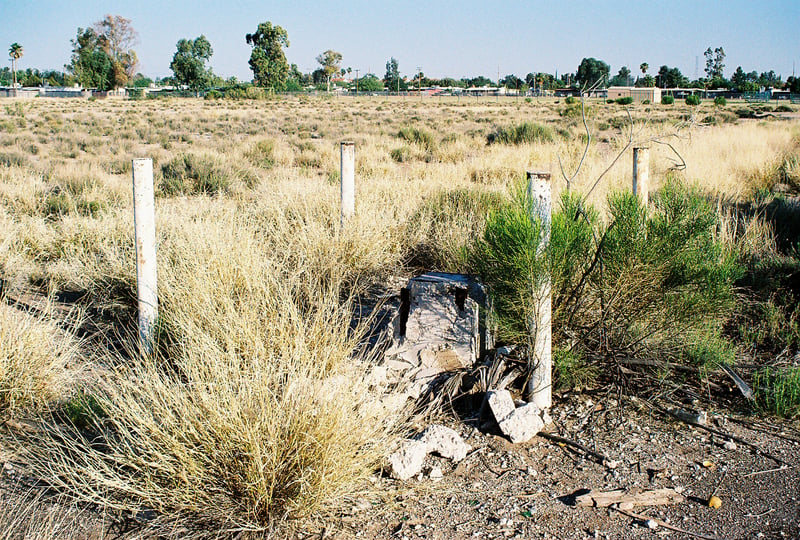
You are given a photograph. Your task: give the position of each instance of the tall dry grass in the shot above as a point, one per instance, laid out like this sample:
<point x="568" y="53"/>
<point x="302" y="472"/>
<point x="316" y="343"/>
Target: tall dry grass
<point x="254" y="408"/>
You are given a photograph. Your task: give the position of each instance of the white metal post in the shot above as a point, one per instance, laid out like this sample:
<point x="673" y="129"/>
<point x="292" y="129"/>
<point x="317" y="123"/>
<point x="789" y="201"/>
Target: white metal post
<point x="641" y="173"/>
<point x="540" y="384"/>
<point x="348" y="171"/>
<point x="144" y="220"/>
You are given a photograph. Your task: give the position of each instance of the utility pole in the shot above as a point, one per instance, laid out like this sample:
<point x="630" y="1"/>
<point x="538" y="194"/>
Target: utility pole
<point x="357" y="83"/>
<point x="419" y="81"/>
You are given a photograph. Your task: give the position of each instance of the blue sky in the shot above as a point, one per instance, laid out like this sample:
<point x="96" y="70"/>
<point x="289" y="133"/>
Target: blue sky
<point x="444" y="38"/>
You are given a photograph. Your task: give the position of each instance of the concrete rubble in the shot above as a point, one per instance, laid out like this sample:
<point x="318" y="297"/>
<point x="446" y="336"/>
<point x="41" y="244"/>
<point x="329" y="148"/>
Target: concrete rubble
<point x="519" y="424"/>
<point x="443" y="325"/>
<point x="408" y="460"/>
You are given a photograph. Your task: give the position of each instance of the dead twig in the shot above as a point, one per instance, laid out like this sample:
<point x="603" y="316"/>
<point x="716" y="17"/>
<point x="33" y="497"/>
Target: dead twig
<point x="664" y="524"/>
<point x="600" y="458"/>
<point x="776" y="469"/>
<point x="721" y="433"/>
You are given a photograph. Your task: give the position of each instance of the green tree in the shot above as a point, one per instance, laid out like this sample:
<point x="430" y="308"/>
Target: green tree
<point x="90" y="64"/>
<point x="329" y="60"/>
<point x="671" y="78"/>
<point x="644" y="67"/>
<point x="15" y="52"/>
<point x="622" y="78"/>
<point x="591" y="71"/>
<point x="267" y="59"/>
<point x="715" y="62"/>
<point x="392" y="78"/>
<point x="189" y="62"/>
<point x="370" y="83"/>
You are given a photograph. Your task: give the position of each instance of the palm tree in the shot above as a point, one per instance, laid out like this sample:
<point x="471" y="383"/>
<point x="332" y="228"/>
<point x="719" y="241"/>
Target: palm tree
<point x="644" y="67"/>
<point x="15" y="52"/>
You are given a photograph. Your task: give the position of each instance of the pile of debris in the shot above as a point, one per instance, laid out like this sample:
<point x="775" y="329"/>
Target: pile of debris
<point x="443" y="332"/>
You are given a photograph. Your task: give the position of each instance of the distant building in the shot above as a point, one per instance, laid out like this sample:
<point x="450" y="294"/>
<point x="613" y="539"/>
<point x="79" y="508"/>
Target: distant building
<point x="647" y="93"/>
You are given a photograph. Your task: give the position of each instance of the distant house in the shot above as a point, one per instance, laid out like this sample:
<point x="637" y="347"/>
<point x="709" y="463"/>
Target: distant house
<point x="651" y="94"/>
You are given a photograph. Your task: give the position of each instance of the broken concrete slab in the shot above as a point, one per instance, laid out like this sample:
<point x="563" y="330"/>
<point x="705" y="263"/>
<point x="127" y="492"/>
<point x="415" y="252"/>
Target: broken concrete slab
<point x="407" y="461"/>
<point x="500" y="403"/>
<point x="520" y="424"/>
<point x="446" y="442"/>
<point x="443" y="323"/>
<point x="523" y="424"/>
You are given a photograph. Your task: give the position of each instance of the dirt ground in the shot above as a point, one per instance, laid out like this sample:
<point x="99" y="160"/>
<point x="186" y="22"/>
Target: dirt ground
<point x="503" y="490"/>
<point x="527" y="490"/>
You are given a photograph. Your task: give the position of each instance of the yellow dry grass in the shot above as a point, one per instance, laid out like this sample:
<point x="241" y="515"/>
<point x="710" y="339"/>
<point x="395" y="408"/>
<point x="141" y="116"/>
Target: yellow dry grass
<point x="254" y="409"/>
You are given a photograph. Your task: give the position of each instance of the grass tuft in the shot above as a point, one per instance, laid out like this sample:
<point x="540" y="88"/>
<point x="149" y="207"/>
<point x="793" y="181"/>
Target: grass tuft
<point x="524" y="133"/>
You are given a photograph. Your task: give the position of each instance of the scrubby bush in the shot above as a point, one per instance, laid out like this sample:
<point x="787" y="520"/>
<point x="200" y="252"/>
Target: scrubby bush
<point x="569" y="100"/>
<point x="419" y="137"/>
<point x="194" y="174"/>
<point x="693" y="100"/>
<point x="784" y="108"/>
<point x="262" y="153"/>
<point x="627" y="100"/>
<point x="213" y="94"/>
<point x="402" y="154"/>
<point x="670" y="277"/>
<point x="524" y="133"/>
<point x="777" y="391"/>
<point x="720" y="101"/>
<point x="667" y="100"/>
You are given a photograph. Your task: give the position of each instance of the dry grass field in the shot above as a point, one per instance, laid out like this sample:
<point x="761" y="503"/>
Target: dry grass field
<point x="254" y="409"/>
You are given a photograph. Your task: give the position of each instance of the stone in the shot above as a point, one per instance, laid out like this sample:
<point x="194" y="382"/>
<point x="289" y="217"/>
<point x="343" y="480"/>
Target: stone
<point x="523" y="424"/>
<point x="446" y="442"/>
<point x="729" y="445"/>
<point x="436" y="474"/>
<point x="407" y="461"/>
<point x="520" y="424"/>
<point x="501" y="404"/>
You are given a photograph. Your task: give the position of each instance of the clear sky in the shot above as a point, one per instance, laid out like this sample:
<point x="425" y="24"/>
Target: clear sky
<point x="444" y="38"/>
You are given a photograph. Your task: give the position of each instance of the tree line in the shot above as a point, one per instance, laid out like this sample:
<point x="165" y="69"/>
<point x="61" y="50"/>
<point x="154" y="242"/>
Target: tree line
<point x="103" y="58"/>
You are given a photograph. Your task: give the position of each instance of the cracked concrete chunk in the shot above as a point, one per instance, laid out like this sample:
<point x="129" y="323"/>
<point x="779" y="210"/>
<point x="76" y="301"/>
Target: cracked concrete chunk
<point x="442" y="323"/>
<point x="523" y="424"/>
<point x="520" y="424"/>
<point x="501" y="404"/>
<point x="446" y="442"/>
<point x="407" y="461"/>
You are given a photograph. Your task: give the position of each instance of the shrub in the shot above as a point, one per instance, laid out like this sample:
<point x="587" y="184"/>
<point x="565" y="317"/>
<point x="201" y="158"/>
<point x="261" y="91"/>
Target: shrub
<point x="402" y="154"/>
<point x="720" y="101"/>
<point x="784" y="108"/>
<point x="262" y="154"/>
<point x="693" y="100"/>
<point x="609" y="101"/>
<point x="777" y="390"/>
<point x="418" y="136"/>
<point x="667" y="100"/>
<point x="213" y="94"/>
<point x="193" y="174"/>
<point x="569" y="100"/>
<point x="524" y="133"/>
<point x="34" y="354"/>
<point x="627" y="100"/>
<point x="670" y="277"/>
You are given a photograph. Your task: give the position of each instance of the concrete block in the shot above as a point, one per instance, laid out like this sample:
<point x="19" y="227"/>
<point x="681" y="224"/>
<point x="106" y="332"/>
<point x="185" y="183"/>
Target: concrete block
<point x="407" y="461"/>
<point x="446" y="442"/>
<point x="523" y="424"/>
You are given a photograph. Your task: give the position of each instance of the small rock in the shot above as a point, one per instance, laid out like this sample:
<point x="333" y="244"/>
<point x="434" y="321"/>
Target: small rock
<point x="699" y="417"/>
<point x="651" y="524"/>
<point x="533" y="473"/>
<point x="436" y="474"/>
<point x="523" y="424"/>
<point x="729" y="445"/>
<point x="445" y="442"/>
<point x="8" y="466"/>
<point x="407" y="461"/>
<point x="626" y="505"/>
<point x="500" y="403"/>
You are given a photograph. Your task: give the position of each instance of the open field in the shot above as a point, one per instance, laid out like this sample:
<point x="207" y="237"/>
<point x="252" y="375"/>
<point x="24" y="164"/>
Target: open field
<point x="254" y="410"/>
